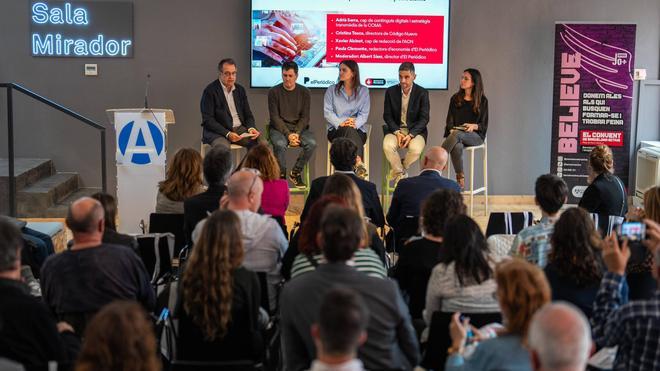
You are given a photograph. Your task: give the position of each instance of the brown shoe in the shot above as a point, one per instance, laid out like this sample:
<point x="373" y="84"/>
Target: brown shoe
<point x="460" y="179"/>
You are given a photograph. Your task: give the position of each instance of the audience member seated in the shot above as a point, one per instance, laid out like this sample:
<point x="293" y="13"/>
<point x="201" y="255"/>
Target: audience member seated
<point x="340" y="331"/>
<point x="533" y="243"/>
<point x="411" y="192"/>
<point x="119" y="337"/>
<point x="218" y="303"/>
<point x="28" y="333"/>
<point x="343" y="154"/>
<point x="521" y="290"/>
<point x="110" y="234"/>
<point x="310" y="255"/>
<point x="275" y="198"/>
<point x="634" y="326"/>
<point x="418" y="257"/>
<point x="342" y="186"/>
<point x="76" y="283"/>
<point x="391" y="342"/>
<point x="639" y="272"/>
<point x="559" y="338"/>
<point x="606" y="194"/>
<point x="183" y="180"/>
<point x="575" y="267"/>
<point x="463" y="280"/>
<point x="217" y="165"/>
<point x="263" y="240"/>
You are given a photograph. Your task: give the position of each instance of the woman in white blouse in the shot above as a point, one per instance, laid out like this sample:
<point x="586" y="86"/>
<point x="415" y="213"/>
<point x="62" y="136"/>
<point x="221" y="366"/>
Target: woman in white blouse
<point x="463" y="280"/>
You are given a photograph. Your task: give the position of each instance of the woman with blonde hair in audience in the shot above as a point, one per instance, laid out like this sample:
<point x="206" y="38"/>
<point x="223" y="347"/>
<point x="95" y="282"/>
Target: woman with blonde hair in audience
<point x="218" y="303"/>
<point x="343" y="186"/>
<point x="606" y="193"/>
<point x="575" y="267"/>
<point x="183" y="180"/>
<point x="639" y="274"/>
<point x="275" y="197"/>
<point x="310" y="254"/>
<point x="521" y="290"/>
<point x="120" y="337"/>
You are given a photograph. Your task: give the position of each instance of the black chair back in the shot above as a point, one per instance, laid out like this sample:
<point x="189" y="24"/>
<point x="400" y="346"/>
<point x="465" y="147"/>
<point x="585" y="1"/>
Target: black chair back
<point x="606" y="223"/>
<point x="508" y="222"/>
<point x="172" y="223"/>
<point x="263" y="283"/>
<point x="401" y="233"/>
<point x="439" y="340"/>
<point x="154" y="250"/>
<point x="240" y="365"/>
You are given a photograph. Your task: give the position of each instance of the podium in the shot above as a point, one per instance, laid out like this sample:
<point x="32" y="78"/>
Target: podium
<point x="141" y="139"/>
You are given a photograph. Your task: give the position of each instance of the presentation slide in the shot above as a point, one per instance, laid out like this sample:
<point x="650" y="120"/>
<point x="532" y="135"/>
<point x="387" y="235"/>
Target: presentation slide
<point x="378" y="34"/>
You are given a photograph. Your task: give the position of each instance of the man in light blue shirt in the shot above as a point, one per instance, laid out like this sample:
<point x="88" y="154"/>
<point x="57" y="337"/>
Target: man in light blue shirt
<point x="533" y="243"/>
<point x="346" y="109"/>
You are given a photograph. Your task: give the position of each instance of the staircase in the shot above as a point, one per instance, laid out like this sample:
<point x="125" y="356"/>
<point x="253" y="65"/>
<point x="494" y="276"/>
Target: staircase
<point x="41" y="192"/>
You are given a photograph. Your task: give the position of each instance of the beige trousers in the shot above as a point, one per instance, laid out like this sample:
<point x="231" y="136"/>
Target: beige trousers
<point x="391" y="146"/>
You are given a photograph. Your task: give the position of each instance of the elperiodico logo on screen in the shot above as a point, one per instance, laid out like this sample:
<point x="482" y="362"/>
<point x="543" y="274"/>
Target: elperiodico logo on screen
<point x="309" y="81"/>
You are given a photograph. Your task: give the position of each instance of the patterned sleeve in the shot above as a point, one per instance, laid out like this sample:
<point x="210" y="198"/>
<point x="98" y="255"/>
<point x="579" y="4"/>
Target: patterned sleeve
<point x="606" y="323"/>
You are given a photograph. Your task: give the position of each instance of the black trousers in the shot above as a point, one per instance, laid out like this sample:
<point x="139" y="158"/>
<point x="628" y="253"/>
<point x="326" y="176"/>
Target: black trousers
<point x="359" y="138"/>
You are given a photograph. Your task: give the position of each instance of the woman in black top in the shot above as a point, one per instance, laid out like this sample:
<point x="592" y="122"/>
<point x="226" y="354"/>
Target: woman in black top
<point x="606" y="194"/>
<point x="467" y="120"/>
<point x="218" y="304"/>
<point x="110" y="234"/>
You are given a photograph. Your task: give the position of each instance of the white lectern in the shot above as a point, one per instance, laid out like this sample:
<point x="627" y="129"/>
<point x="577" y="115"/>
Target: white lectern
<point x="141" y="152"/>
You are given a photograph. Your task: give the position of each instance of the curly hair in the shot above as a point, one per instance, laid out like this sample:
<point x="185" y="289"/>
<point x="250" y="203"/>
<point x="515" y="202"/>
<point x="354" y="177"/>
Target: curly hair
<point x="312" y="224"/>
<point x="467" y="248"/>
<point x="184" y="175"/>
<point x="119" y="337"/>
<point x="601" y="159"/>
<point x="575" y="246"/>
<point x="521" y="290"/>
<point x="343" y="154"/>
<point x="208" y="277"/>
<point x="261" y="157"/>
<point x="438" y="208"/>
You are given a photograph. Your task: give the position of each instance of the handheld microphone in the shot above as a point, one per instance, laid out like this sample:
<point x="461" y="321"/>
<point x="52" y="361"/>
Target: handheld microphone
<point x="146" y="92"/>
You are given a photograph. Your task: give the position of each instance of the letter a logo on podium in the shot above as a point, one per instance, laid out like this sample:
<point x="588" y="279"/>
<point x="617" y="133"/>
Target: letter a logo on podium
<point x="140" y="142"/>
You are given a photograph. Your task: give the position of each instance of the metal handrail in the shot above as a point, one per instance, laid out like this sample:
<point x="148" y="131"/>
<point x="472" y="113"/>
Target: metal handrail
<point x="10" y="86"/>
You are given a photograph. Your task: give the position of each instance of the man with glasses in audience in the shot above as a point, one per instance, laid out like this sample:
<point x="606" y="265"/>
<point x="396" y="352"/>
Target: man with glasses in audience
<point x="288" y="107"/>
<point x="263" y="239"/>
<point x="226" y="115"/>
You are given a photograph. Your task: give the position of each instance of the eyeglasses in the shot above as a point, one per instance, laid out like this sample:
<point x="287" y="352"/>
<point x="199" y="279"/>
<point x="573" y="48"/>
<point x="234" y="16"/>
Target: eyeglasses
<point x="256" y="173"/>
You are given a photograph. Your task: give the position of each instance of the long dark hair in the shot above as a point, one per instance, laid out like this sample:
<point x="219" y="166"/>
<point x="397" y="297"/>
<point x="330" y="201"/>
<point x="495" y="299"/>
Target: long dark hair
<point x="109" y="207"/>
<point x="575" y="248"/>
<point x="467" y="249"/>
<point x="477" y="91"/>
<point x="353" y="66"/>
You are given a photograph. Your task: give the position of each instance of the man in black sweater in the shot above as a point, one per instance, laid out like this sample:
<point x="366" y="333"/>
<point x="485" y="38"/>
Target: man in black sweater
<point x="288" y="107"/>
<point x="28" y="332"/>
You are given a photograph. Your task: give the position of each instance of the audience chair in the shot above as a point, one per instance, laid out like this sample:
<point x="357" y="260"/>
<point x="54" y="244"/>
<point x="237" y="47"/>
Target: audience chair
<point x="156" y="251"/>
<point x="169" y="223"/>
<point x="305" y="174"/>
<point x="439" y="339"/>
<point x="508" y="222"/>
<point x="401" y="233"/>
<point x="606" y="223"/>
<point x="241" y="365"/>
<point x="330" y="169"/>
<point x="471" y="191"/>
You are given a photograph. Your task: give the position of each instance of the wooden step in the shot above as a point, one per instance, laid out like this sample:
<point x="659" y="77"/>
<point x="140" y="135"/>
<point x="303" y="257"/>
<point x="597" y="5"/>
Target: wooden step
<point x="33" y="200"/>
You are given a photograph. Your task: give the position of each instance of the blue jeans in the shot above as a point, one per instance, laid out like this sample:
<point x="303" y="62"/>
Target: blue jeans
<point x="280" y="143"/>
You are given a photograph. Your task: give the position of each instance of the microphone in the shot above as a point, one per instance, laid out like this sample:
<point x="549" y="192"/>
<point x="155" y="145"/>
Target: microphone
<point x="146" y="92"/>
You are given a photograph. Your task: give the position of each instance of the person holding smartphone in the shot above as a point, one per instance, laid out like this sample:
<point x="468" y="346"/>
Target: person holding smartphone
<point x="467" y="120"/>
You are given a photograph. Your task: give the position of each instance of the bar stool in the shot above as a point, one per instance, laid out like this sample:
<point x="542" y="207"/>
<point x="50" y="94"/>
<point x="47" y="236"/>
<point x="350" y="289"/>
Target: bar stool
<point x="330" y="169"/>
<point x="471" y="191"/>
<point x="387" y="189"/>
<point x="236" y="158"/>
<point x="305" y="174"/>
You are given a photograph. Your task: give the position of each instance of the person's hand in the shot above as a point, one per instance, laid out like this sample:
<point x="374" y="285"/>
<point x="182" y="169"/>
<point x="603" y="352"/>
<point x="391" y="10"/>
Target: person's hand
<point x="406" y="141"/>
<point x="458" y="331"/>
<point x="350" y="122"/>
<point x="274" y="41"/>
<point x="399" y="137"/>
<point x="294" y="140"/>
<point x="615" y="256"/>
<point x="255" y="133"/>
<point x="471" y="127"/>
<point x="233" y="137"/>
<point x="653" y="235"/>
<point x="64" y="327"/>
<point x="635" y="214"/>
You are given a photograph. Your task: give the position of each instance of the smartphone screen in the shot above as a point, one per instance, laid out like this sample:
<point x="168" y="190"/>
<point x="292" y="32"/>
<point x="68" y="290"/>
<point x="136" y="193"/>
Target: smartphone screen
<point x="634" y="231"/>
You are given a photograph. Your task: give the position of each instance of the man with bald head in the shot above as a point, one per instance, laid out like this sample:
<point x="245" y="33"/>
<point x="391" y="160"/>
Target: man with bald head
<point x="76" y="283"/>
<point x="559" y="338"/>
<point x="263" y="240"/>
<point x="411" y="192"/>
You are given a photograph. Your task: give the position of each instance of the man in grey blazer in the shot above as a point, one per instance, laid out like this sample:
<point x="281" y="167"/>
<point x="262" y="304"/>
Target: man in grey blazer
<point x="391" y="341"/>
